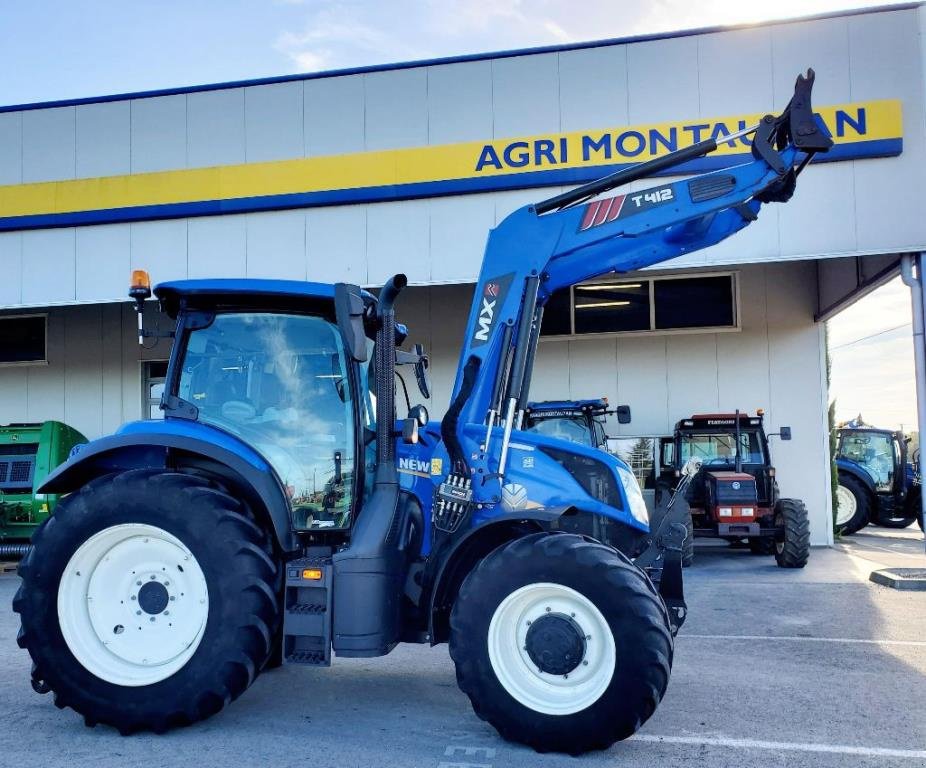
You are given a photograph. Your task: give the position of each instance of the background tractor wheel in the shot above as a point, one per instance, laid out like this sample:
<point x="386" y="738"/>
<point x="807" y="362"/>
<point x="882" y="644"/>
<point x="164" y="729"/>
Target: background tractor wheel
<point x="854" y="505"/>
<point x="561" y="643"/>
<point x="148" y="601"/>
<point x="793" y="548"/>
<point x="896" y="521"/>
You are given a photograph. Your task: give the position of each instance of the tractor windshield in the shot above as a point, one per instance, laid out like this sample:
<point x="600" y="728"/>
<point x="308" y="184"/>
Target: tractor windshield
<point x="572" y="428"/>
<point x="280" y="383"/>
<point x="719" y="448"/>
<point x="876" y="452"/>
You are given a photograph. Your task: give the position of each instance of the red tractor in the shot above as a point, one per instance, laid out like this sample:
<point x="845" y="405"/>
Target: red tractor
<point x="734" y="495"/>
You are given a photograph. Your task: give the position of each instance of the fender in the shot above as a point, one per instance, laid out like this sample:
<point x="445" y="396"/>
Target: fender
<point x="173" y="443"/>
<point x="471" y="547"/>
<point x="855" y="470"/>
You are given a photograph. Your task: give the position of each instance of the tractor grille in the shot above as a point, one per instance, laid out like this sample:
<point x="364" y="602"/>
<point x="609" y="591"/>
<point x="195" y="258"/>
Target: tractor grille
<point x="17" y="467"/>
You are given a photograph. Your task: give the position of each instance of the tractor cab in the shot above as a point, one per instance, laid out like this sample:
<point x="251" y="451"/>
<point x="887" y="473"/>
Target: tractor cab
<point x="579" y="421"/>
<point x="265" y="362"/>
<point x="736" y="479"/>
<point x="879" y="452"/>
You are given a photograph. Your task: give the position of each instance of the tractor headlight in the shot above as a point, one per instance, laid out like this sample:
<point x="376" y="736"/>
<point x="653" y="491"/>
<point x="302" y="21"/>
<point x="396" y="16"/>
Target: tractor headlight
<point x="634" y="495"/>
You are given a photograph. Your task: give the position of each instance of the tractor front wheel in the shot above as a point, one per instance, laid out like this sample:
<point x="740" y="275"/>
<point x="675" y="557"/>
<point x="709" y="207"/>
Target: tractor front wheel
<point x="853" y="505"/>
<point x="148" y="601"/>
<point x="792" y="542"/>
<point x="561" y="643"/>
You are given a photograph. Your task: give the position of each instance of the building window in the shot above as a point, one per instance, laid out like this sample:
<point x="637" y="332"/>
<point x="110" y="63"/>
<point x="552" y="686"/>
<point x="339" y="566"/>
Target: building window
<point x="642" y="305"/>
<point x="23" y="339"/>
<point x="155" y="373"/>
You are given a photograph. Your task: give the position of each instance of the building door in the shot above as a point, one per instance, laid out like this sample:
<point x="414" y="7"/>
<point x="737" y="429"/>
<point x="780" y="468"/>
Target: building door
<point x="154" y="378"/>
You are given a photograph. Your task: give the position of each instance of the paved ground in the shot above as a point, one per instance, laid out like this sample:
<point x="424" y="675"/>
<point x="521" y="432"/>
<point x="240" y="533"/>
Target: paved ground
<point x="774" y="668"/>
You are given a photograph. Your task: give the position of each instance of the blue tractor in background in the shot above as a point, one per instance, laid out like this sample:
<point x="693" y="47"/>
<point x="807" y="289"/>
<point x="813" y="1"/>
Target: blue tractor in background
<point x="281" y="511"/>
<point x="579" y="421"/>
<point x="877" y="483"/>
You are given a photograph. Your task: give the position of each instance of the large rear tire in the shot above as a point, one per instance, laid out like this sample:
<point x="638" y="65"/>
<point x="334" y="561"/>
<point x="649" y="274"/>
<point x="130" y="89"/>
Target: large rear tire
<point x="854" y="505"/>
<point x="792" y="544"/>
<point x="148" y="601"/>
<point x="561" y="643"/>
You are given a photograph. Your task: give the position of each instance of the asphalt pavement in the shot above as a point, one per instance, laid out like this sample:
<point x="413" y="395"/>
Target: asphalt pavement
<point x="817" y="667"/>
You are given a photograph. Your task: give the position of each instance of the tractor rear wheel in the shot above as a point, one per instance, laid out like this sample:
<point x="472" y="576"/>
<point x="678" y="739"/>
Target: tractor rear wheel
<point x="792" y="543"/>
<point x="896" y="521"/>
<point x="853" y="505"/>
<point x="148" y="601"/>
<point x="561" y="643"/>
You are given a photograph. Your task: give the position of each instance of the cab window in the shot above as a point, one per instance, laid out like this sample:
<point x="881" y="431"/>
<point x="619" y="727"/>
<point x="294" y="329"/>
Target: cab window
<point x="280" y="383"/>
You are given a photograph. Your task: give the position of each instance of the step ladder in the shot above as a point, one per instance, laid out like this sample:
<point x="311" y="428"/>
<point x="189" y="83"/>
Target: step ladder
<point x="307" y="612"/>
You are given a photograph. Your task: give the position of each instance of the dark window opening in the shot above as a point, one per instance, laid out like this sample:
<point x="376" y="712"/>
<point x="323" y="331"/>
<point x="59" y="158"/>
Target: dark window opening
<point x="612" y="307"/>
<point x="22" y="339"/>
<point x="655" y="304"/>
<point x="696" y="302"/>
<point x="557" y="319"/>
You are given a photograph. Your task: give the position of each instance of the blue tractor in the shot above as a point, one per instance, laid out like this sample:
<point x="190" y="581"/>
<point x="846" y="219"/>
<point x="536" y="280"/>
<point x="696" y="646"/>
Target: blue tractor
<point x="877" y="484"/>
<point x="281" y="511"/>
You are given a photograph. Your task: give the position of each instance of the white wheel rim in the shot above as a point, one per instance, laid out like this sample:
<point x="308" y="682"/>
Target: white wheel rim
<point x="517" y="673"/>
<point x="847" y="505"/>
<point x="117" y="631"/>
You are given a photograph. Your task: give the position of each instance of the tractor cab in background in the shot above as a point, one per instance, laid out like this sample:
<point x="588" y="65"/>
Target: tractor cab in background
<point x="877" y="483"/>
<point x="735" y="494"/>
<point x="579" y="421"/>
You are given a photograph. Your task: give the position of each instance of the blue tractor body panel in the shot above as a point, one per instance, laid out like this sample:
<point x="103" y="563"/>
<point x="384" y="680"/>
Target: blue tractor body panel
<point x="534" y="479"/>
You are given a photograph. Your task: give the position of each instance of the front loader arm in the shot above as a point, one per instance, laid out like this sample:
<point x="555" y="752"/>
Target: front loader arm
<point x="572" y="238"/>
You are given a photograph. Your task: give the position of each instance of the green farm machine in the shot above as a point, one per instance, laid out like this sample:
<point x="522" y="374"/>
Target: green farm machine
<point x="28" y="453"/>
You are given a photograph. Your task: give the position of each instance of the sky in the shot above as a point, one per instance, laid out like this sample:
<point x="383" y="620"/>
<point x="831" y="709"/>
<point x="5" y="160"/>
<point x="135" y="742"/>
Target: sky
<point x="59" y="49"/>
<point x="871" y="347"/>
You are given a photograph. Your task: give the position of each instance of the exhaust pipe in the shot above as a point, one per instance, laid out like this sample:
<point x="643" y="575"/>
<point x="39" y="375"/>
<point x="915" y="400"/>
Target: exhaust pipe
<point x="370" y="572"/>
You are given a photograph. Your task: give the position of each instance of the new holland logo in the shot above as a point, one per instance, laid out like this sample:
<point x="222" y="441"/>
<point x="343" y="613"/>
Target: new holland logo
<point x="514" y="496"/>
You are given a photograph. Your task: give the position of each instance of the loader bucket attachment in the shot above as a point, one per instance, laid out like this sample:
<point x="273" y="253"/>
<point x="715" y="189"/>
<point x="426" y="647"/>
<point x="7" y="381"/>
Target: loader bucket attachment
<point x="805" y="130"/>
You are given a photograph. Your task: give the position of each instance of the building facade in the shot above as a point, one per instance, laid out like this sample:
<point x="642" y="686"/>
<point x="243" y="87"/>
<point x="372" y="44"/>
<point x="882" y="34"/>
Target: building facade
<point x="354" y="176"/>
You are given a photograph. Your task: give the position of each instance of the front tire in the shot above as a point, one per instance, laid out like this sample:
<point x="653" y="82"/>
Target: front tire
<point x="792" y="544"/>
<point x="854" y="505"/>
<point x="561" y="643"/>
<point x="148" y="601"/>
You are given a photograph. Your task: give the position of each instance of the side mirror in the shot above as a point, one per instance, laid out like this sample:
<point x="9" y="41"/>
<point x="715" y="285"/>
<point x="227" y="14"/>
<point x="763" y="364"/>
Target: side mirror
<point x="348" y="310"/>
<point x="409" y="431"/>
<point x="785" y="433"/>
<point x="420" y="414"/>
<point x="692" y="467"/>
<point x="623" y="414"/>
<point x="421" y="374"/>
